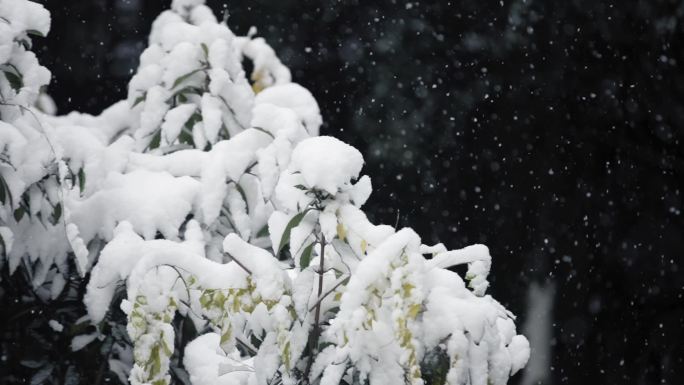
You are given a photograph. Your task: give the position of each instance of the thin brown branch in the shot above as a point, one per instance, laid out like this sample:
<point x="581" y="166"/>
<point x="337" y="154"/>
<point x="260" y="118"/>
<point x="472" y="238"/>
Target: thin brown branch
<point x="317" y="314"/>
<point x="240" y="264"/>
<point x="339" y="282"/>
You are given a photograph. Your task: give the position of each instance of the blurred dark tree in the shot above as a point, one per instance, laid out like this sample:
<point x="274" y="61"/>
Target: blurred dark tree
<point x="549" y="130"/>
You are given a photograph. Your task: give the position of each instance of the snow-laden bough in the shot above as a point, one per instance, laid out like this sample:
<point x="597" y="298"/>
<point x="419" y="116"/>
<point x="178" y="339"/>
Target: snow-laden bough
<point x="209" y="194"/>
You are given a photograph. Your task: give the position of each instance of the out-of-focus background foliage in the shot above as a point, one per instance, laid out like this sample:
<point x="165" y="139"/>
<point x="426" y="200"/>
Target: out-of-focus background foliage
<point x="549" y="130"/>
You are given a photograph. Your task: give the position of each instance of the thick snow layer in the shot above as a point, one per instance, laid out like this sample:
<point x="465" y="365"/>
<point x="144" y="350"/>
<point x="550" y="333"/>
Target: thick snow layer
<point x="179" y="163"/>
<point x="326" y="163"/>
<point x="479" y="263"/>
<point x="116" y="261"/>
<point x="374" y="267"/>
<point x="25" y="16"/>
<point x="79" y="248"/>
<point x="19" y="20"/>
<point x="268" y="70"/>
<point x="271" y="278"/>
<point x="207" y="364"/>
<point x="174" y="121"/>
<point x="108" y="126"/>
<point x="210" y="197"/>
<point x="227" y="161"/>
<point x="296" y="98"/>
<point x="151" y="201"/>
<point x="211" y="117"/>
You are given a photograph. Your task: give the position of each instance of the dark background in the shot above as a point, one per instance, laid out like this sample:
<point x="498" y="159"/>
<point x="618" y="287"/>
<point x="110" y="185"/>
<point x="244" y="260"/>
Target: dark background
<point x="549" y="130"/>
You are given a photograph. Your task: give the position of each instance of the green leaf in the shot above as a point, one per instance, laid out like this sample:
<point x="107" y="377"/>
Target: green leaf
<point x="301" y="187"/>
<point x="19" y="213"/>
<point x="185" y="90"/>
<point x="185" y="137"/>
<point x="155" y="361"/>
<point x="225" y="337"/>
<point x="26" y="43"/>
<point x="224" y="129"/>
<point x="244" y="196"/>
<point x="286" y="355"/>
<point x="324" y="345"/>
<point x="156" y="140"/>
<point x="264" y="131"/>
<point x="414" y="310"/>
<point x="81" y="180"/>
<point x="205" y="300"/>
<point x="79" y="328"/>
<point x="285" y="239"/>
<point x="139" y="99"/>
<point x="4" y="191"/>
<point x="185" y="77"/>
<point x="15" y="80"/>
<point x="56" y="214"/>
<point x="305" y="260"/>
<point x="194" y="118"/>
<point x="205" y="49"/>
<point x="4" y="247"/>
<point x="34" y="32"/>
<point x="166" y="348"/>
<point x="434" y="367"/>
<point x="263" y="232"/>
<point x="333" y="310"/>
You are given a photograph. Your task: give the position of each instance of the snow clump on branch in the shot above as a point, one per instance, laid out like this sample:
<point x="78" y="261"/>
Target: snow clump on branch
<point x="207" y="194"/>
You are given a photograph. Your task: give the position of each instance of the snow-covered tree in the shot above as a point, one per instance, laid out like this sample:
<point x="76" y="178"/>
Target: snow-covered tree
<point x="208" y="195"/>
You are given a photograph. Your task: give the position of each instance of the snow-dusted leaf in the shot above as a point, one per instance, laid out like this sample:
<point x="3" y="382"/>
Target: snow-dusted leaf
<point x="305" y="259"/>
<point x="41" y="376"/>
<point x="72" y="377"/>
<point x="285" y="238"/>
<point x="15" y="81"/>
<point x="185" y="77"/>
<point x="32" y="364"/>
<point x="80" y="341"/>
<point x="35" y="32"/>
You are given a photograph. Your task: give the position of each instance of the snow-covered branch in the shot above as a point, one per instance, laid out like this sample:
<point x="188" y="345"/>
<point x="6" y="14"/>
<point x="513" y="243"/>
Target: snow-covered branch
<point x="214" y="199"/>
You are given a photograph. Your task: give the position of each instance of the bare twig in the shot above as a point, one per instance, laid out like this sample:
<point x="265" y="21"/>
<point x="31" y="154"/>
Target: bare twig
<point x="337" y="284"/>
<point x="240" y="264"/>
